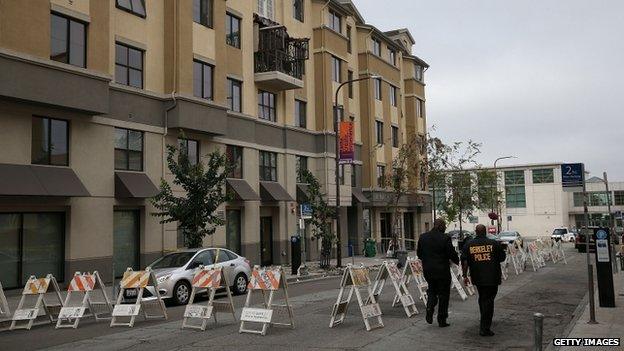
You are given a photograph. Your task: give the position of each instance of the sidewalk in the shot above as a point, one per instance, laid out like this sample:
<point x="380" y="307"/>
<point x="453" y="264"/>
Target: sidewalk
<point x="610" y="320"/>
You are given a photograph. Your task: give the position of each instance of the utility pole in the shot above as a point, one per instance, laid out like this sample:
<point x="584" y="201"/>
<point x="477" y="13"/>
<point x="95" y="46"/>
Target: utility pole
<point x="614" y="265"/>
<point x="495" y="191"/>
<point x="590" y="268"/>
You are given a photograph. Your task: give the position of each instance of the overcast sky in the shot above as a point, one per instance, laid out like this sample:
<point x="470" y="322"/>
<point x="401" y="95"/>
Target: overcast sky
<point x="539" y="79"/>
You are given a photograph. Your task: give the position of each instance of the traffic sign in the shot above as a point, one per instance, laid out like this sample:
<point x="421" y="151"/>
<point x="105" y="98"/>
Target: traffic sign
<point x="572" y="176"/>
<point x="306" y="211"/>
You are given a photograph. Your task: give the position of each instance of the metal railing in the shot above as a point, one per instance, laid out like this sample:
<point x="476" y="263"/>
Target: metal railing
<point x="277" y="60"/>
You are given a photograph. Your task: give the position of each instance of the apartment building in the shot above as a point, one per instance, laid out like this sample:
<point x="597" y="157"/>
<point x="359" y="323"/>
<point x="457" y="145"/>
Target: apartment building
<point x="92" y="92"/>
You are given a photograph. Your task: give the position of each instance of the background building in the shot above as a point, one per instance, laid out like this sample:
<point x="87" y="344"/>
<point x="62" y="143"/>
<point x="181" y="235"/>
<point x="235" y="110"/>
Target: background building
<point x="92" y="92"/>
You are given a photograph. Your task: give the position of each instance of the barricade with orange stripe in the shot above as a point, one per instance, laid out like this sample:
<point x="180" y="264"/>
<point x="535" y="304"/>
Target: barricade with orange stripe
<point x="24" y="317"/>
<point x="139" y="280"/>
<point x="356" y="278"/>
<point x="269" y="279"/>
<point x="413" y="270"/>
<point x="389" y="270"/>
<point x="210" y="279"/>
<point x="4" y="305"/>
<point x="86" y="284"/>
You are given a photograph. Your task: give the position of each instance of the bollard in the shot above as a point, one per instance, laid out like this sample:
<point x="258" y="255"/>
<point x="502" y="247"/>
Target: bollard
<point x="538" y="329"/>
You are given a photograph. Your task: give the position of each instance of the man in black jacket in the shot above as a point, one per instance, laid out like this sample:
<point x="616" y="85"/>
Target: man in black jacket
<point x="484" y="256"/>
<point x="435" y="250"/>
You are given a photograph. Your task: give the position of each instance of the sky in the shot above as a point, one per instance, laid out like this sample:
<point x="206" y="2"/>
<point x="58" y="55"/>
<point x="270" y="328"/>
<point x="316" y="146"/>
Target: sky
<point x="542" y="80"/>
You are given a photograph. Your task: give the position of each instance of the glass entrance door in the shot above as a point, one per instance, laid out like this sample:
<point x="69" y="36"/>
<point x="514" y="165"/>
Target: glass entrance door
<point x="233" y="230"/>
<point x="266" y="241"/>
<point x="125" y="241"/>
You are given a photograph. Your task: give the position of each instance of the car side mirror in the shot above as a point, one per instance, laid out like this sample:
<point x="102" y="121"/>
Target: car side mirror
<point x="193" y="265"/>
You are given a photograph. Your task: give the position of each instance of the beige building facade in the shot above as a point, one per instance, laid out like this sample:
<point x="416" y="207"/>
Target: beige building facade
<point x="92" y="92"/>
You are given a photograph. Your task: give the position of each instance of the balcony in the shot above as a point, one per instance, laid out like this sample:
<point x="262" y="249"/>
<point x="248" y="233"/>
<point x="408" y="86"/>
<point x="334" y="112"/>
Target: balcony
<point x="279" y="60"/>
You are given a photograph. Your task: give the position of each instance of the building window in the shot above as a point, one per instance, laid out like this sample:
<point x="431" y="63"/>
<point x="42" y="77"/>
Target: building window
<point x="393" y="95"/>
<point x="379" y="132"/>
<point x="68" y="41"/>
<point x="598" y="198"/>
<point x="335" y="69"/>
<point x="420" y="106"/>
<point x="335" y="21"/>
<point x="377" y="47"/>
<point x="418" y="72"/>
<point x="300" y="113"/>
<point x="202" y="80"/>
<point x="578" y="200"/>
<point x="32" y="243"/>
<point x="301" y="166"/>
<point x="136" y="7"/>
<point x="350" y="87"/>
<point x="265" y="8"/>
<point x="203" y="12"/>
<point x="234" y="98"/>
<point x="514" y="189"/>
<point x="50" y="142"/>
<point x="392" y="56"/>
<point x="395" y="136"/>
<point x="543" y="176"/>
<point x="232" y="30"/>
<point x="234" y="156"/>
<point x="266" y="106"/>
<point x="298" y="10"/>
<point x="189" y="149"/>
<point x="128" y="66"/>
<point x="354" y="174"/>
<point x="377" y="85"/>
<point x="268" y="166"/>
<point x="349" y="43"/>
<point x="381" y="176"/>
<point x="618" y="196"/>
<point x="128" y="150"/>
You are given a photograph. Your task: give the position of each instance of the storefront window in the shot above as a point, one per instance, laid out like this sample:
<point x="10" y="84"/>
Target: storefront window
<point x="233" y="230"/>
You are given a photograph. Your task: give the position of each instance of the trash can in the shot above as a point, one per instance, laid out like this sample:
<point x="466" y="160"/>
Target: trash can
<point x="402" y="258"/>
<point x="370" y="248"/>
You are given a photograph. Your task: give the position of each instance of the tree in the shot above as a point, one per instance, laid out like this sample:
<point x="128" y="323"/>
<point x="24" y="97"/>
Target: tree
<point x="322" y="216"/>
<point x="435" y="164"/>
<point x="204" y="188"/>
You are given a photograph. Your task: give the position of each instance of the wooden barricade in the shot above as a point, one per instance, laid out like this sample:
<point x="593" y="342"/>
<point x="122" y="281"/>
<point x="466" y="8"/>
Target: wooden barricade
<point x="210" y="279"/>
<point x="413" y="271"/>
<point x="87" y="284"/>
<point x="389" y="270"/>
<point x="5" y="311"/>
<point x="558" y="252"/>
<point x="456" y="278"/>
<point x="356" y="279"/>
<point x="24" y="317"/>
<point x="137" y="280"/>
<point x="265" y="279"/>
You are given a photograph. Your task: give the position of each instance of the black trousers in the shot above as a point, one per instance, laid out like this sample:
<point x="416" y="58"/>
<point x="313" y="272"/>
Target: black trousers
<point x="439" y="291"/>
<point x="487" y="294"/>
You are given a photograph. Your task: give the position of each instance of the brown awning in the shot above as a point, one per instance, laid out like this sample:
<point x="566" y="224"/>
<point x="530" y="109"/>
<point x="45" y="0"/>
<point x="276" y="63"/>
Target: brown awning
<point x="134" y="185"/>
<point x="273" y="191"/>
<point x="242" y="190"/>
<point x="29" y="180"/>
<point x="302" y="193"/>
<point x="359" y="196"/>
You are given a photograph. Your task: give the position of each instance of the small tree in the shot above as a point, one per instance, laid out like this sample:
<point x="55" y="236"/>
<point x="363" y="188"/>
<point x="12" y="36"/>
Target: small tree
<point x="322" y="216"/>
<point x="204" y="188"/>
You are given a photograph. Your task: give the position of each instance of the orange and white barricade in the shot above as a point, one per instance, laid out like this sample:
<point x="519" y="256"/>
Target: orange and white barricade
<point x="558" y="253"/>
<point x="413" y="269"/>
<point x="265" y="279"/>
<point x="389" y="270"/>
<point x="456" y="282"/>
<point x="5" y="311"/>
<point x="209" y="279"/>
<point x="138" y="280"/>
<point x="87" y="284"/>
<point x="537" y="261"/>
<point x="24" y="317"/>
<point x="356" y="279"/>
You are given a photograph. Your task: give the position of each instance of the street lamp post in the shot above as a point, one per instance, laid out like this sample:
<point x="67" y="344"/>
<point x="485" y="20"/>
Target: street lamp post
<point x="337" y="171"/>
<point x="495" y="189"/>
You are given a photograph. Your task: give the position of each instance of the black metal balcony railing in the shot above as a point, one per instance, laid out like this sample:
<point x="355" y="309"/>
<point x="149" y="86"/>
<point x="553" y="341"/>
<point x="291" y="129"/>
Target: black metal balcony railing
<point x="268" y="61"/>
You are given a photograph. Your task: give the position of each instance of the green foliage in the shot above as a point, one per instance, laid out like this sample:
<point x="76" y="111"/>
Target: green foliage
<point x="204" y="188"/>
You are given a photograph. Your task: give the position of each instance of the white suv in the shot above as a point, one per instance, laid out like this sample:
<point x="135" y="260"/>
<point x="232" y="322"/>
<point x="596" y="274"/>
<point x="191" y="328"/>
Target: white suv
<point x="560" y="234"/>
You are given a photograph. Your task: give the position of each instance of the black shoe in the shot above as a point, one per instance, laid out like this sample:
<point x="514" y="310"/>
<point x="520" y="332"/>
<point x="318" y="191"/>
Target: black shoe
<point x="486" y="333"/>
<point x="443" y="324"/>
<point x="429" y="316"/>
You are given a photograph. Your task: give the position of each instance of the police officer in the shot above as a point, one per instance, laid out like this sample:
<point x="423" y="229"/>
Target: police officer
<point x="483" y="256"/>
<point x="435" y="250"/>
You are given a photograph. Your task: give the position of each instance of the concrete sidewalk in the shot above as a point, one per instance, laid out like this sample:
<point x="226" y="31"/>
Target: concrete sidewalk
<point x="610" y="320"/>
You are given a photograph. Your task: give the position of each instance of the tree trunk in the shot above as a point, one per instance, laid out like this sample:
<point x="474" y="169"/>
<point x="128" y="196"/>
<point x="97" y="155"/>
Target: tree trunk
<point x="460" y="222"/>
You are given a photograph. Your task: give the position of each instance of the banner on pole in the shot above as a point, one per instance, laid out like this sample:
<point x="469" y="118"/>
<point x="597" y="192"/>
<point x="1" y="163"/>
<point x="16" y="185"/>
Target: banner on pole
<point x="347" y="148"/>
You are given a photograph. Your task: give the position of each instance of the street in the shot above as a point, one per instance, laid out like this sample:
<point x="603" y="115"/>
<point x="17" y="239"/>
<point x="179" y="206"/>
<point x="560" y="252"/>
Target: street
<point x="555" y="290"/>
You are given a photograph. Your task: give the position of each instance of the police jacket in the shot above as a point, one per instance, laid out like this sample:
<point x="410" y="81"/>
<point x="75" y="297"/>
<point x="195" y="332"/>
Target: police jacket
<point x="484" y="257"/>
<point x="435" y="250"/>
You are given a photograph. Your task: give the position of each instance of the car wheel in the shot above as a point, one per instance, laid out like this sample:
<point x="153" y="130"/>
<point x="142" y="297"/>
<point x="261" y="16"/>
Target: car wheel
<point x="240" y="284"/>
<point x="181" y="293"/>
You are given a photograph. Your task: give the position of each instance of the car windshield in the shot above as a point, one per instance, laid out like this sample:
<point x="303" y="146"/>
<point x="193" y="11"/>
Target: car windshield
<point x="560" y="231"/>
<point x="172" y="260"/>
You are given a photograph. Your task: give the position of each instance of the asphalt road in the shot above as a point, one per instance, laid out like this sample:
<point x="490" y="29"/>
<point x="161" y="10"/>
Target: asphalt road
<point x="555" y="291"/>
